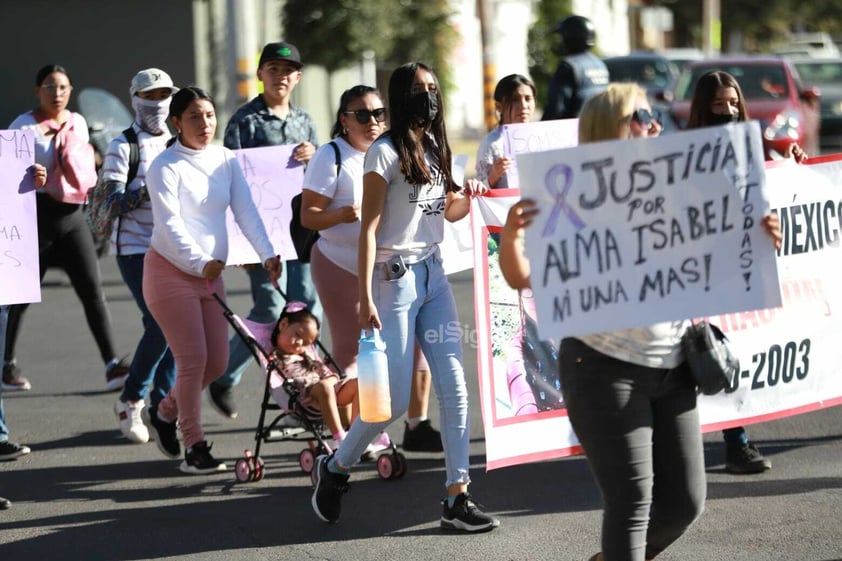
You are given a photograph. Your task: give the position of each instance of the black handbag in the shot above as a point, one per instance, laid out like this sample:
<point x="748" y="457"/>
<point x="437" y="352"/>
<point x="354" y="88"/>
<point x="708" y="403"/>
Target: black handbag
<point x="711" y="361"/>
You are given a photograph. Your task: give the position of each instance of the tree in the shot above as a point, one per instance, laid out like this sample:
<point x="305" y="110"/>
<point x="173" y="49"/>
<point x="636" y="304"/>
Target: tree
<point x="423" y="32"/>
<point x="336" y="33"/>
<point x="542" y="49"/>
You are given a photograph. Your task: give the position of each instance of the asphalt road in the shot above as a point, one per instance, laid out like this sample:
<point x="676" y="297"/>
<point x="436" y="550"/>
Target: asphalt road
<point x="86" y="493"/>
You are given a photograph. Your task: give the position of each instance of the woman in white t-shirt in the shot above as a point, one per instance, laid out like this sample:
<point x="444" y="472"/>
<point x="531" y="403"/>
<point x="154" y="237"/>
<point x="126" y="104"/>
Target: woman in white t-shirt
<point x="333" y="190"/>
<point x="64" y="237"/>
<point x="408" y="191"/>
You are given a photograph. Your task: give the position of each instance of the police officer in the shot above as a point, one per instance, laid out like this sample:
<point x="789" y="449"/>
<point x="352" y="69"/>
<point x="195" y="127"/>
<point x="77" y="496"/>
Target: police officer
<point x="580" y="75"/>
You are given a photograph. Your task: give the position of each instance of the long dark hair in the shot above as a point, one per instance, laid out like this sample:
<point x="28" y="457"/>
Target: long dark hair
<point x="507" y="86"/>
<point x="345" y="100"/>
<point x="182" y="99"/>
<point x="294" y="312"/>
<point x="49" y="69"/>
<point x="704" y="94"/>
<point x="409" y="146"/>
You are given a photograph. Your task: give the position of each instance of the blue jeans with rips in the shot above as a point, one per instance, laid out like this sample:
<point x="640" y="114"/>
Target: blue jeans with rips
<point x="268" y="303"/>
<point x="153" y="363"/>
<point x="420" y="305"/>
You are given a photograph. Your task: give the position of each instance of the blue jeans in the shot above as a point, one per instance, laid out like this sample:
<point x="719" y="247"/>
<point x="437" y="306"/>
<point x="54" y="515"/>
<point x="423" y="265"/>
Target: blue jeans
<point x="4" y="430"/>
<point x="420" y="305"/>
<point x="267" y="307"/>
<point x="153" y="362"/>
<point x="735" y="437"/>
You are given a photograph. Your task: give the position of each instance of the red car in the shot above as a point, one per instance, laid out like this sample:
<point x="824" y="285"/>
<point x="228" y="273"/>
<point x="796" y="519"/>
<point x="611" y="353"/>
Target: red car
<point x="787" y="111"/>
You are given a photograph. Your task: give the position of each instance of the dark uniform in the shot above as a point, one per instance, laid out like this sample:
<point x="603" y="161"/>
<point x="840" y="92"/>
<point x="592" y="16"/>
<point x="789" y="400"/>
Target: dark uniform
<point x="580" y="75"/>
<point x="578" y="78"/>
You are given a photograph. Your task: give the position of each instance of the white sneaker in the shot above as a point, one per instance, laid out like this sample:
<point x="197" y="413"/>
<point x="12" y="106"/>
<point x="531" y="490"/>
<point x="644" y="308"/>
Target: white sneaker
<point x="131" y="423"/>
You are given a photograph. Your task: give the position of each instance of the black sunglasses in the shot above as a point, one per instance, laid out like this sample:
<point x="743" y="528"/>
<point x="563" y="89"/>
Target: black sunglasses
<point x="645" y="118"/>
<point x="363" y="116"/>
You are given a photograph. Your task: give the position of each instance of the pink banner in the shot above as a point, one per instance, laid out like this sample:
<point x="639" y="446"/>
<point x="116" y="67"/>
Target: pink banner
<point x="274" y="178"/>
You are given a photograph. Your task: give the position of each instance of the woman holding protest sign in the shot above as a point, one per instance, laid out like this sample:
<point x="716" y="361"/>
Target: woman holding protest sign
<point x="63" y="234"/>
<point x="408" y="192"/>
<point x="514" y="100"/>
<point x="191" y="185"/>
<point x="630" y="396"/>
<point x="718" y="100"/>
<point x="333" y="185"/>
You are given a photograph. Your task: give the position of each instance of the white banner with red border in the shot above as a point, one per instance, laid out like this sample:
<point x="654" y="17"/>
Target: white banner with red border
<point x="789" y="354"/>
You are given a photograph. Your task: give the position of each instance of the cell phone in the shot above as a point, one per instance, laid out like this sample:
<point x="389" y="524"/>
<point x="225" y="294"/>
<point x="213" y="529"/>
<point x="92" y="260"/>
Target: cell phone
<point x="395" y="268"/>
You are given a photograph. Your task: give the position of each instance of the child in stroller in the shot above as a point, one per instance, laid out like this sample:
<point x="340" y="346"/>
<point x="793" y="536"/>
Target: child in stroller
<point x="307" y="392"/>
<point x="320" y="391"/>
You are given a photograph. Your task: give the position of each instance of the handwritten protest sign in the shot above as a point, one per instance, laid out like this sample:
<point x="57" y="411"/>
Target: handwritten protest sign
<point x="523" y="138"/>
<point x="20" y="279"/>
<point x="634" y="232"/>
<point x="274" y="178"/>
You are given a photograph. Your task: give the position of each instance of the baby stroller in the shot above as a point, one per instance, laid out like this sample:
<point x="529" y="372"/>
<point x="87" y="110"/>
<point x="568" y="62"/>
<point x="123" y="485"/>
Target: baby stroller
<point x="289" y="422"/>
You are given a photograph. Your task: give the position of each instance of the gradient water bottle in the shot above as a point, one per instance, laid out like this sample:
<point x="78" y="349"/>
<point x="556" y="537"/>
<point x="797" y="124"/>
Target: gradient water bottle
<point x="373" y="378"/>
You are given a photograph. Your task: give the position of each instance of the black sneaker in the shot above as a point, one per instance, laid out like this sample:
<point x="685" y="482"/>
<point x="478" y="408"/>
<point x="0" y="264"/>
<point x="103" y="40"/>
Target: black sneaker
<point x="327" y="496"/>
<point x="198" y="460"/>
<point x="12" y="379"/>
<point x="423" y="438"/>
<point x="465" y="516"/>
<point x="222" y="399"/>
<point x="12" y="450"/>
<point x="745" y="459"/>
<point x="163" y="432"/>
<point x="5" y="504"/>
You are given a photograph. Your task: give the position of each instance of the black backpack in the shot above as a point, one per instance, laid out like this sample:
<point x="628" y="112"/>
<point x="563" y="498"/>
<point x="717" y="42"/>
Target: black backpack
<point x="304" y="238"/>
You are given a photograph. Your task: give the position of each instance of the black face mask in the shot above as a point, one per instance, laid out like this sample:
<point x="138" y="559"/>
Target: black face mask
<point x="424" y="106"/>
<point x="719" y="119"/>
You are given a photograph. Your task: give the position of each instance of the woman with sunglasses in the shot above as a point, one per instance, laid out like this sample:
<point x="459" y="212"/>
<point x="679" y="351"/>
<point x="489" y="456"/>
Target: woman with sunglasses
<point x="64" y="237"/>
<point x="408" y="192"/>
<point x="331" y="199"/>
<point x="629" y="394"/>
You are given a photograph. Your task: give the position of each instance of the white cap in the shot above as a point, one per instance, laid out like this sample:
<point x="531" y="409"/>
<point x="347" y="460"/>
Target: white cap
<point x="151" y="79"/>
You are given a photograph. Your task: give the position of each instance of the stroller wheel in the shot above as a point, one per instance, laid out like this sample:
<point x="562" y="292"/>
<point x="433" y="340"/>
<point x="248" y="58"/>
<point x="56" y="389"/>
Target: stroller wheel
<point x="307" y="459"/>
<point x="243" y="470"/>
<point x="400" y="468"/>
<point x="259" y="469"/>
<point x="386" y="466"/>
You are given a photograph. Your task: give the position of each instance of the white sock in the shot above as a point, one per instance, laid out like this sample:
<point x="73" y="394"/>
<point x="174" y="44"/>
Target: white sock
<point x="415" y="421"/>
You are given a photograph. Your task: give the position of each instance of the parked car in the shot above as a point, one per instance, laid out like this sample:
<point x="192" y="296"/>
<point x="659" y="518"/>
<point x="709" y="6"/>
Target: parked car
<point x="826" y="73"/>
<point x="788" y="112"/>
<point x="651" y="71"/>
<point x="681" y="57"/>
<point x="818" y="45"/>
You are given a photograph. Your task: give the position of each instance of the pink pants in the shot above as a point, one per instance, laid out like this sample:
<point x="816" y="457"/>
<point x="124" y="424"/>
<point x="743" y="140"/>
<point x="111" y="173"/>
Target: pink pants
<point x="340" y="296"/>
<point x="197" y="333"/>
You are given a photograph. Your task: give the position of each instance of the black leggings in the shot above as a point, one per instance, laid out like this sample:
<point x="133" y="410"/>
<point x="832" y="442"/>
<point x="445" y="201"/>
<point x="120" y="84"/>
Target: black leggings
<point x="65" y="239"/>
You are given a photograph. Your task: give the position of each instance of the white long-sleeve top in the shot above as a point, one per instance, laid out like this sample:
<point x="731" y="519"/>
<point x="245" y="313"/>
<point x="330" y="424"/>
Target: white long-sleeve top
<point x="190" y="191"/>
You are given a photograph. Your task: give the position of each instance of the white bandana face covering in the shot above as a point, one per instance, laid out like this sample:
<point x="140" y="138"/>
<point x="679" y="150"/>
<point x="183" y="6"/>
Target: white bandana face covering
<point x="151" y="115"/>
